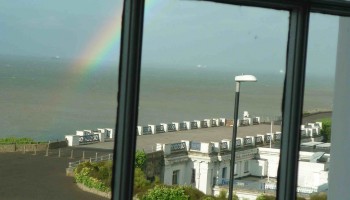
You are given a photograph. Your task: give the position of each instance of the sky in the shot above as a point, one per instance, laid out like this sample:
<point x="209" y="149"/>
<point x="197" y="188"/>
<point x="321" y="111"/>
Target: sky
<point x="184" y="33"/>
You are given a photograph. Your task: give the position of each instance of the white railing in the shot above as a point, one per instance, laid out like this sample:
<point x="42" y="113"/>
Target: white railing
<point x="305" y="190"/>
<point x="91" y="159"/>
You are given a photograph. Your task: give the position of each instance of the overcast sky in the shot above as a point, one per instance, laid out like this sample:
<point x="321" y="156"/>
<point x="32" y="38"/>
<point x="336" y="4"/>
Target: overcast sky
<point x="181" y="33"/>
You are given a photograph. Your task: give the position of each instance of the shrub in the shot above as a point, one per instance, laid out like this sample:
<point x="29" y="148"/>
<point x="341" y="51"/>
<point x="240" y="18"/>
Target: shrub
<point x="164" y="192"/>
<point x="326" y="130"/>
<point x="193" y="193"/>
<point x="95" y="175"/>
<point x="208" y="198"/>
<point x="222" y="194"/>
<point x="319" y="196"/>
<point x="265" y="197"/>
<point x="140" y="180"/>
<point x="271" y="197"/>
<point x="140" y="159"/>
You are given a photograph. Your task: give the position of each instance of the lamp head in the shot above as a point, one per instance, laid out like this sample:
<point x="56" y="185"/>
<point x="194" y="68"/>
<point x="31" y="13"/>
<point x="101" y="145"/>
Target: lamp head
<point x="245" y="78"/>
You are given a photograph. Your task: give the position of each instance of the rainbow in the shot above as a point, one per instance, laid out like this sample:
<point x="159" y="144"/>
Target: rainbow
<point x="99" y="46"/>
<point x="103" y="42"/>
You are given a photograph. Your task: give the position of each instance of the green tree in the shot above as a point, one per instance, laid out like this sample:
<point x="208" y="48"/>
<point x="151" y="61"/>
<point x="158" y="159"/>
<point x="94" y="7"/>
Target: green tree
<point x="140" y="159"/>
<point x="141" y="184"/>
<point x="326" y="130"/>
<point x="140" y="180"/>
<point x="163" y="192"/>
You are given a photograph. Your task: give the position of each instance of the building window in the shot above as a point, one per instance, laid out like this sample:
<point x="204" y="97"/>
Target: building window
<point x="223" y="175"/>
<point x="176" y="177"/>
<point x="246" y="166"/>
<point x="193" y="177"/>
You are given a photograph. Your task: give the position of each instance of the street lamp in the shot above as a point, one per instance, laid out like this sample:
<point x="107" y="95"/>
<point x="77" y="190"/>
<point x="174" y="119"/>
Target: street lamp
<point x="238" y="80"/>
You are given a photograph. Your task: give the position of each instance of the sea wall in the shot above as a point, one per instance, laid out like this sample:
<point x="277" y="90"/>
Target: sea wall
<point x="58" y="144"/>
<point x="22" y="147"/>
<point x="95" y="191"/>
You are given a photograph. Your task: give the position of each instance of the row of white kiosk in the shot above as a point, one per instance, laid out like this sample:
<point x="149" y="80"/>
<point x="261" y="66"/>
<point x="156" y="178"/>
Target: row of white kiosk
<point x="90" y="136"/>
<point x="195" y="124"/>
<point x="309" y="130"/>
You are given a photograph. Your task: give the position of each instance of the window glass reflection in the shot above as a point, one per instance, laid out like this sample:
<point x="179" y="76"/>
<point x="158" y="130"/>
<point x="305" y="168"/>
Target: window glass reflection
<point x="318" y="105"/>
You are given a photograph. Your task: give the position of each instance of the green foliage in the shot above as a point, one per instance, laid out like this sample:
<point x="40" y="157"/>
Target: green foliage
<point x="164" y="192"/>
<point x="156" y="180"/>
<point x="14" y="140"/>
<point x="326" y="130"/>
<point x="265" y="197"/>
<point x="193" y="193"/>
<point x="141" y="184"/>
<point x="178" y="193"/>
<point x="140" y="159"/>
<point x="95" y="175"/>
<point x="222" y="194"/>
<point x="319" y="196"/>
<point x="208" y="198"/>
<point x="271" y="197"/>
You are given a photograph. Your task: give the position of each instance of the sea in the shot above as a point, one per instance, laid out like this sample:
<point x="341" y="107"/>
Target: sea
<point x="44" y="99"/>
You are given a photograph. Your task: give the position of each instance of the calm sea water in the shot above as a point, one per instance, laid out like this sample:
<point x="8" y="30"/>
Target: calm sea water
<point x="42" y="99"/>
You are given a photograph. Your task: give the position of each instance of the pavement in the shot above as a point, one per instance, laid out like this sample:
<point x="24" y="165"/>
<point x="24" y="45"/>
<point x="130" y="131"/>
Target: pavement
<point x="28" y="176"/>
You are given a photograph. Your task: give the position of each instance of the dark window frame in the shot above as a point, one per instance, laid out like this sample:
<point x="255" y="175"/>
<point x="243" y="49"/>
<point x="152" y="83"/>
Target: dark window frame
<point x="224" y="173"/>
<point x="129" y="85"/>
<point x="175" y="177"/>
<point x="193" y="176"/>
<point x="246" y="166"/>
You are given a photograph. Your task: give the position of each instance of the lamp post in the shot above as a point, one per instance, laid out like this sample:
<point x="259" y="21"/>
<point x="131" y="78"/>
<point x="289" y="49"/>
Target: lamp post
<point x="238" y="80"/>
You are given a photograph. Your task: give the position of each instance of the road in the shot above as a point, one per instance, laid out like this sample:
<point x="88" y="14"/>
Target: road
<point x="28" y="176"/>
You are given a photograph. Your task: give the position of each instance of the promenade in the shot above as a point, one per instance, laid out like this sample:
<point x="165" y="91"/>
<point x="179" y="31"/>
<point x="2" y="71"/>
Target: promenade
<point x="214" y="134"/>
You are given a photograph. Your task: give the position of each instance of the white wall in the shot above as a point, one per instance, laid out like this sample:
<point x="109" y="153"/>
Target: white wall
<point x="183" y="175"/>
<point x="272" y="157"/>
<point x="73" y="140"/>
<point x="312" y="174"/>
<point x="258" y="167"/>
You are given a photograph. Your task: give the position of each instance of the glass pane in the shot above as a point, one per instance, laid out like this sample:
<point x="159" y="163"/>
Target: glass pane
<point x="58" y="83"/>
<point x="191" y="53"/>
<point x="318" y="105"/>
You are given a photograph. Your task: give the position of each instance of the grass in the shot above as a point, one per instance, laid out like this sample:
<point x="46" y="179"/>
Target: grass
<point x="14" y="140"/>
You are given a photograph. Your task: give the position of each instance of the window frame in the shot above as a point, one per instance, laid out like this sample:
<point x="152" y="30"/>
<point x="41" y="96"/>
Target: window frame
<point x="129" y="86"/>
<point x="193" y="176"/>
<point x="224" y="173"/>
<point x="246" y="166"/>
<point x="175" y="177"/>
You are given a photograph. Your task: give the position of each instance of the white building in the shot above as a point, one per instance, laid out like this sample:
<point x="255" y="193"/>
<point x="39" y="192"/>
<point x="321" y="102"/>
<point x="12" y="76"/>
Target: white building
<point x="90" y="136"/>
<point x="206" y="166"/>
